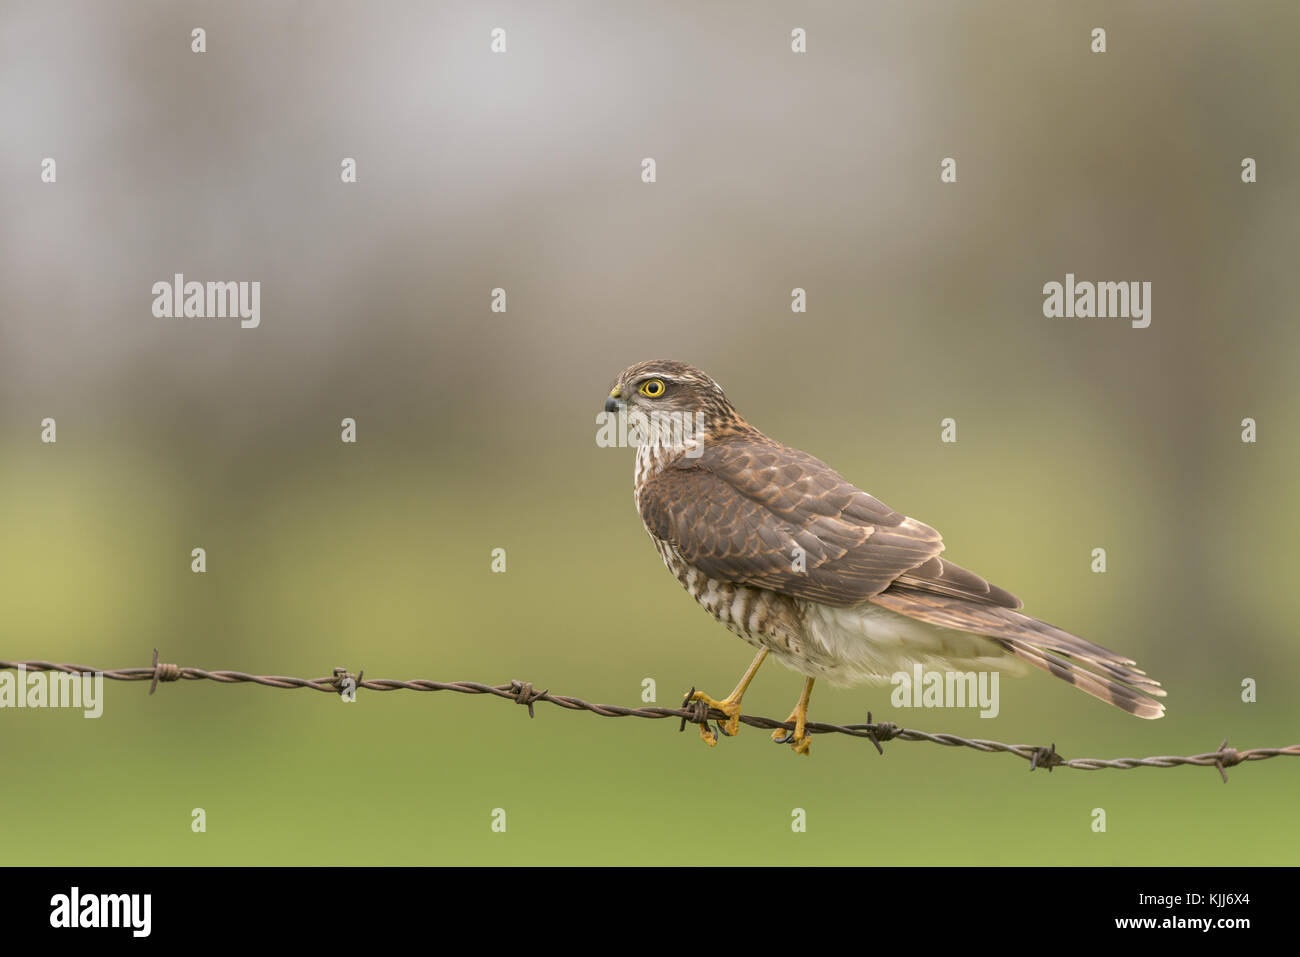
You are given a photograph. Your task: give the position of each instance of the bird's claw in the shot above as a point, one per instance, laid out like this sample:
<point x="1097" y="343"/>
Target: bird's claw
<point x="703" y="704"/>
<point x="798" y="737"/>
<point x="799" y="743"/>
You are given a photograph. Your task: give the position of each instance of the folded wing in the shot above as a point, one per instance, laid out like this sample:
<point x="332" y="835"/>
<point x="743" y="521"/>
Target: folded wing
<point x="759" y="513"/>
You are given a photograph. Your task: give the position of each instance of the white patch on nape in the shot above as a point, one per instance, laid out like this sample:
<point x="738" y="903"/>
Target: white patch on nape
<point x="869" y="644"/>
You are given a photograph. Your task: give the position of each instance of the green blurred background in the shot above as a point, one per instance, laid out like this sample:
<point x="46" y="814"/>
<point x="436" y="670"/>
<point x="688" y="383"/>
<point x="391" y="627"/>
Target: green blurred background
<point x="477" y="430"/>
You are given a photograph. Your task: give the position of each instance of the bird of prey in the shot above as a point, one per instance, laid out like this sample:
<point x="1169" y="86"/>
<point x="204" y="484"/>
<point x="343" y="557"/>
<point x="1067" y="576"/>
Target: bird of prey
<point x="801" y="564"/>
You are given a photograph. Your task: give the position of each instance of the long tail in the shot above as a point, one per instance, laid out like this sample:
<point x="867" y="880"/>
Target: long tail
<point x="1091" y="668"/>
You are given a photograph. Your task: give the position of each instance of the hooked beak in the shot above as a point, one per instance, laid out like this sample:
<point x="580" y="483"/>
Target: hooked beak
<point x="614" y="402"/>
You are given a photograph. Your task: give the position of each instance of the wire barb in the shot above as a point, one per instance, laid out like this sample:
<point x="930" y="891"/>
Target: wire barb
<point x="524" y="694"/>
<point x="1045" y="757"/>
<point x="163" y="672"/>
<point x="1228" y="758"/>
<point x="694" y="712"/>
<point x="341" y="678"/>
<point x="884" y="731"/>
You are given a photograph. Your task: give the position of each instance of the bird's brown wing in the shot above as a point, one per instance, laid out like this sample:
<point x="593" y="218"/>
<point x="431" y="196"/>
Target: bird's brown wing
<point x="759" y="513"/>
<point x="941" y="577"/>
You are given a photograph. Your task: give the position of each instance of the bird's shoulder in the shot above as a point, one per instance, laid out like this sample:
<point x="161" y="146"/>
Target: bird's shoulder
<point x="791" y="483"/>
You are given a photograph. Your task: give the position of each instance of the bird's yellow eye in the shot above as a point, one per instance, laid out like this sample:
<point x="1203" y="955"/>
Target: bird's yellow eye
<point x="654" y="388"/>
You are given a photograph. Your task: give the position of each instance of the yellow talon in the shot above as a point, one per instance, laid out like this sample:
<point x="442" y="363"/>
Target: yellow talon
<point x="798" y="739"/>
<point x="730" y="705"/>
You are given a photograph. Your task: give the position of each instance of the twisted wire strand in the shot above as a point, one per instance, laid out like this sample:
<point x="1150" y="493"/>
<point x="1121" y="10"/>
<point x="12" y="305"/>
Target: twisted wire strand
<point x="692" y="712"/>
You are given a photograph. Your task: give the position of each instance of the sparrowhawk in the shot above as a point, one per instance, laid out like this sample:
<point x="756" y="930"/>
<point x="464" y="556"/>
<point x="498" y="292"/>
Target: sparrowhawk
<point x="792" y="557"/>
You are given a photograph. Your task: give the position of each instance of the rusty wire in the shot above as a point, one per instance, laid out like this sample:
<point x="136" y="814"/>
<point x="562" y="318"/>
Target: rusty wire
<point x="694" y="712"/>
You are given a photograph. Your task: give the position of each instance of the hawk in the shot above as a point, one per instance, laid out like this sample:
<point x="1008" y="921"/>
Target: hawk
<point x="806" y="567"/>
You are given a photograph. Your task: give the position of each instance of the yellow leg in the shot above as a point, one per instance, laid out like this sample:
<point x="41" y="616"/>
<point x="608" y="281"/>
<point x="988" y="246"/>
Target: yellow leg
<point x="730" y="705"/>
<point x="798" y="738"/>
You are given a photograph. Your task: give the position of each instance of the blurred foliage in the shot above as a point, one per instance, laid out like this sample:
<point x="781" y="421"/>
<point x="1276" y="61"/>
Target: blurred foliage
<point x="477" y="429"/>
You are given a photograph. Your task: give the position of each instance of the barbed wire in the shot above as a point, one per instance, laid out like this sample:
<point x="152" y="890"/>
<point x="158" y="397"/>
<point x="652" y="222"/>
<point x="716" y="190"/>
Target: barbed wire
<point x="693" y="712"/>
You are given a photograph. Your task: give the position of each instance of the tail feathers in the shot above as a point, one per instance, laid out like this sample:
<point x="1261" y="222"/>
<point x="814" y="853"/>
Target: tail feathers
<point x="1133" y="676"/>
<point x="1095" y="670"/>
<point x="1104" y="689"/>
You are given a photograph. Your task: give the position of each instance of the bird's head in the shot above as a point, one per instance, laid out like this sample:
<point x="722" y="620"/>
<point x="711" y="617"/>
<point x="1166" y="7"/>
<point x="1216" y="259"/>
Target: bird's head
<point x="664" y="388"/>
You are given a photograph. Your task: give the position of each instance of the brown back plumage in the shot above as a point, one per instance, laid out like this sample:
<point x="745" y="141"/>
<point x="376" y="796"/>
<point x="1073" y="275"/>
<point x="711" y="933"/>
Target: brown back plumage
<point x="743" y="510"/>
